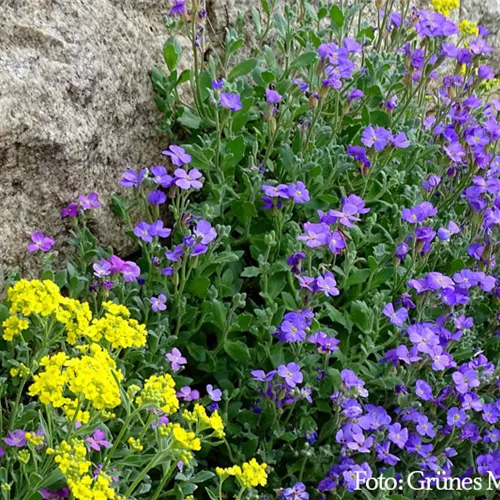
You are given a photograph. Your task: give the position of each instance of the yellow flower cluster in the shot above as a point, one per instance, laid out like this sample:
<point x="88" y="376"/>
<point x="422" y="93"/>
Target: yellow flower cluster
<point x="72" y="462"/>
<point x="34" y="297"/>
<point x="43" y="298"/>
<point x="468" y="28"/>
<point x="199" y="417"/>
<point x="249" y="475"/>
<point x="445" y="6"/>
<point x="12" y="326"/>
<point x="135" y="444"/>
<point x="184" y="441"/>
<point x="90" y="377"/>
<point x="117" y="328"/>
<point x="33" y="439"/>
<point x="159" y="392"/>
<point x="24" y="456"/>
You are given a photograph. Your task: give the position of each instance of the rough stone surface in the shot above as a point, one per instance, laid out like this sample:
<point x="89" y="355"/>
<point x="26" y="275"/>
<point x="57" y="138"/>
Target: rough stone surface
<point x="77" y="108"/>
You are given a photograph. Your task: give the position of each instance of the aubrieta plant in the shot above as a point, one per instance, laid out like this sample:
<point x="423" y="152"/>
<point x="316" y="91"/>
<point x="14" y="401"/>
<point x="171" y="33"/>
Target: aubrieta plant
<point x="314" y="300"/>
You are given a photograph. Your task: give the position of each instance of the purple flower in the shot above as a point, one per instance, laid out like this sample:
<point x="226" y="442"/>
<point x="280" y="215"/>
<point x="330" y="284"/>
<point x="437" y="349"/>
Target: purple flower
<point x="398" y="435"/>
<point x="317" y="234"/>
<point x="187" y="394"/>
<point x="54" y="495"/>
<point x="355" y="94"/>
<point x="157" y="197"/>
<point x="395" y="317"/>
<point x="359" y="154"/>
<point x="262" y="376"/>
<point x="158" y="303"/>
<point x="204" y="232"/>
<point x="455" y="152"/>
<point x="218" y="84"/>
<point x="456" y="417"/>
<point x="384" y="455"/>
<point x="40" y="243"/>
<point x="89" y="202"/>
<point x="70" y="210"/>
<point x="377" y="137"/>
<point x="102" y="269"/>
<point x="97" y="440"/>
<point x="401" y="251"/>
<point x="161" y="177"/>
<point x="464" y="381"/>
<point x="16" y="438"/>
<point x="178" y="8"/>
<point x="298" y="192"/>
<point x="178" y="155"/>
<point x="214" y="394"/>
<point x="351" y="381"/>
<point x="291" y="373"/>
<point x="230" y="101"/>
<point x="484" y="72"/>
<point x="130" y="271"/>
<point x="423" y="390"/>
<point x="328" y="285"/>
<point x="347" y="215"/>
<point x="400" y="141"/>
<point x="142" y="231"/>
<point x="272" y="97"/>
<point x="418" y="213"/>
<point x="157" y="229"/>
<point x="131" y="178"/>
<point x="176" y="359"/>
<point x="188" y="180"/>
<point x="296" y="492"/>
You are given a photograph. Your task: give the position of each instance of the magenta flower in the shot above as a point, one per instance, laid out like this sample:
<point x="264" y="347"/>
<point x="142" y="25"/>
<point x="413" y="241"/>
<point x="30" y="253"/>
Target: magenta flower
<point x="230" y="101"/>
<point x="130" y="271"/>
<point x="188" y="180"/>
<point x="176" y="359"/>
<point x="89" y="202"/>
<point x="158" y="303"/>
<point x="16" y="439"/>
<point x="291" y="373"/>
<point x="41" y="243"/>
<point x="97" y="440"/>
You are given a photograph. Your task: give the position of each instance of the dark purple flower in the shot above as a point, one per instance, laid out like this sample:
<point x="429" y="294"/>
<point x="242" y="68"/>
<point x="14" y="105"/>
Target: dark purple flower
<point x="178" y="8"/>
<point x="157" y="197"/>
<point x="54" y="495"/>
<point x="131" y="178"/>
<point x="70" y="210"/>
<point x="218" y="84"/>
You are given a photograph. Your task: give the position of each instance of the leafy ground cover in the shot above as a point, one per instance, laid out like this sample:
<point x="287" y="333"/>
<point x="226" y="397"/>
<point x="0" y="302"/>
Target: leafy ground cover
<point x="315" y="297"/>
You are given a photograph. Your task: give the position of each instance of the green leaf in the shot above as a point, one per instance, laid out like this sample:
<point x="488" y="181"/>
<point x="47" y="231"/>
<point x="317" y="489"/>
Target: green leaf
<point x="189" y="120"/>
<point x="202" y="476"/>
<point x="199" y="286"/>
<point x="243" y="68"/>
<point x="237" y="351"/>
<point x="359" y="276"/>
<point x="304" y="60"/>
<point x="172" y="51"/>
<point x="250" y="272"/>
<point x="337" y="16"/>
<point x="265" y="7"/>
<point x="362" y="316"/>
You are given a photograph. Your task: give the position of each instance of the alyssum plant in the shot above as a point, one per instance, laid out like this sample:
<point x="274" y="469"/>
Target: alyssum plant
<point x="315" y="298"/>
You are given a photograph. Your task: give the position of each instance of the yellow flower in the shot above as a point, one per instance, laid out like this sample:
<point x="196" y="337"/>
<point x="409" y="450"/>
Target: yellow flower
<point x="33" y="439"/>
<point x="250" y="475"/>
<point x="468" y="28"/>
<point x="24" y="456"/>
<point x="203" y="421"/>
<point x="445" y="6"/>
<point x="22" y="371"/>
<point x="13" y="326"/>
<point x="92" y="377"/>
<point x="159" y="392"/>
<point x="135" y="444"/>
<point x="71" y="459"/>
